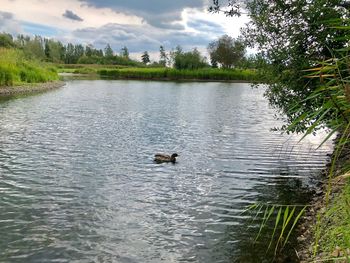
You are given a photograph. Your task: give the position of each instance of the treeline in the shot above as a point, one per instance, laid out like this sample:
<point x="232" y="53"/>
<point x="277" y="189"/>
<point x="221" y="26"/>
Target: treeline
<point x="226" y="52"/>
<point x="51" y="50"/>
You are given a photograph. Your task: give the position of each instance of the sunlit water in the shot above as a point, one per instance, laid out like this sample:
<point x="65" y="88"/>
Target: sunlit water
<point x="78" y="182"/>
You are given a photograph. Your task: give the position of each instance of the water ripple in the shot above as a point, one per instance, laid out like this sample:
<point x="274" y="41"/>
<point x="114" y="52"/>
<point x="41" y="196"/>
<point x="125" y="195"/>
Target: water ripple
<point x="78" y="184"/>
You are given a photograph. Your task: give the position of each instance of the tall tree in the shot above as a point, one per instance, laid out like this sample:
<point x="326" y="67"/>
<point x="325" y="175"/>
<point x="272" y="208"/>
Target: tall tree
<point x="69" y="54"/>
<point x="145" y="58"/>
<point x="54" y="50"/>
<point x="88" y="50"/>
<point x="6" y="40"/>
<point x="78" y="52"/>
<point x="124" y="52"/>
<point x="108" y="51"/>
<point x="226" y="51"/>
<point x="47" y="49"/>
<point x="163" y="57"/>
<point x="35" y="48"/>
<point x="292" y="36"/>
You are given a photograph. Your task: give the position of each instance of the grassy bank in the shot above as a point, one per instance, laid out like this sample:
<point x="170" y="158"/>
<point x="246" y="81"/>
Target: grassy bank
<point x="15" y="69"/>
<point x="333" y="231"/>
<point x="209" y="74"/>
<point x="325" y="231"/>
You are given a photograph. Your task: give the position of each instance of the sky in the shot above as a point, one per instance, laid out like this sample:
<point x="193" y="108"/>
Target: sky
<point x="140" y="25"/>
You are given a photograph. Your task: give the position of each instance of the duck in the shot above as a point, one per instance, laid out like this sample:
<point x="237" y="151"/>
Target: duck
<point x="164" y="158"/>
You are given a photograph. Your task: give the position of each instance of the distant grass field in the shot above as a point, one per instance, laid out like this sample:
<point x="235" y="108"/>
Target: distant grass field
<point x="209" y="74"/>
<point x="84" y="68"/>
<point x="123" y="72"/>
<point x="15" y="69"/>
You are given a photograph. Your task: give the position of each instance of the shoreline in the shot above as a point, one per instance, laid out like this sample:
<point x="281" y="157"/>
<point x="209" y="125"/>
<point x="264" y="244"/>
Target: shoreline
<point x="6" y="91"/>
<point x="179" y="80"/>
<point x="317" y="212"/>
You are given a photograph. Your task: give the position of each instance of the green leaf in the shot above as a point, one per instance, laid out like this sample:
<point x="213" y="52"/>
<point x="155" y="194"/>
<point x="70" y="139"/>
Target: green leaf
<point x="278" y="217"/>
<point x="294" y="224"/>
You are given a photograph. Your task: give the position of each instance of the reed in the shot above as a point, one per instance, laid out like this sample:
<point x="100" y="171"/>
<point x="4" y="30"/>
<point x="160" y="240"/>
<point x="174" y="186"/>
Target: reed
<point x="331" y="232"/>
<point x="284" y="219"/>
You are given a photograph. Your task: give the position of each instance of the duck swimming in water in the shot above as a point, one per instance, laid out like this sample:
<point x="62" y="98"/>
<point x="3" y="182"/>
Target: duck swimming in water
<point x="164" y="158"/>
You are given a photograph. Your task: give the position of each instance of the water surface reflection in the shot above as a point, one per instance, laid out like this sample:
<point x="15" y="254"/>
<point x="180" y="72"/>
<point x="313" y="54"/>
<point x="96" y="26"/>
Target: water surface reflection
<point x="77" y="181"/>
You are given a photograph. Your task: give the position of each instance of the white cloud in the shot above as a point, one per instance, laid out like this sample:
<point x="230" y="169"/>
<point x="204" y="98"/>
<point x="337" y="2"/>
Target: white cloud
<point x="139" y="25"/>
<point x="49" y="13"/>
<point x="9" y="24"/>
<point x="228" y="25"/>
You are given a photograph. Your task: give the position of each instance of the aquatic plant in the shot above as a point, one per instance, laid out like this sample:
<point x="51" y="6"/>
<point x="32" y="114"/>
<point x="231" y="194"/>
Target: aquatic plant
<point x="283" y="217"/>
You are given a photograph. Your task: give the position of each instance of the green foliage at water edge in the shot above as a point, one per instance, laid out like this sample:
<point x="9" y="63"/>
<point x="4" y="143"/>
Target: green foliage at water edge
<point x="15" y="69"/>
<point x="334" y="228"/>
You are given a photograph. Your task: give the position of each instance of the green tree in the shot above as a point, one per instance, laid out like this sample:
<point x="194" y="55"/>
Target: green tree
<point x="69" y="54"/>
<point x="163" y="57"/>
<point x="172" y="54"/>
<point x="89" y="50"/>
<point x="108" y="51"/>
<point x="145" y="58"/>
<point x="47" y="50"/>
<point x="124" y="52"/>
<point x="22" y="40"/>
<point x="78" y="52"/>
<point x="189" y="60"/>
<point x="34" y="48"/>
<point x="53" y="50"/>
<point x="226" y="51"/>
<point x="292" y="36"/>
<point x="6" y="40"/>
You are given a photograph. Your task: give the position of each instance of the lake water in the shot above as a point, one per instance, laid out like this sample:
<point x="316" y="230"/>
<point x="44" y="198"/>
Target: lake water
<point x="78" y="182"/>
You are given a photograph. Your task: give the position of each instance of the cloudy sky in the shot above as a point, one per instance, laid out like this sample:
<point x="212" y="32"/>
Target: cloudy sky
<point x="138" y="24"/>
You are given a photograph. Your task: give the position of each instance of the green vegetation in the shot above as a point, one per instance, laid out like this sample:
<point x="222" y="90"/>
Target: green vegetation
<point x="334" y="227"/>
<point x="283" y="217"/>
<point x="174" y="74"/>
<point x="173" y="65"/>
<point x="54" y="51"/>
<point x="304" y="46"/>
<point x="84" y="68"/>
<point x="291" y="37"/>
<point x="145" y="58"/>
<point x="188" y="60"/>
<point x="15" y="69"/>
<point x="226" y="51"/>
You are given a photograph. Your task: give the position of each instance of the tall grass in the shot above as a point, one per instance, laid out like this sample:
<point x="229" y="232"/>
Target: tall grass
<point x="284" y="219"/>
<point x="16" y="70"/>
<point x="174" y="74"/>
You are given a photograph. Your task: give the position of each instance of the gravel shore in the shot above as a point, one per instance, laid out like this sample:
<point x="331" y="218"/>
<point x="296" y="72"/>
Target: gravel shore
<point x="30" y="88"/>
